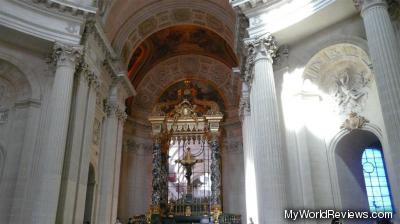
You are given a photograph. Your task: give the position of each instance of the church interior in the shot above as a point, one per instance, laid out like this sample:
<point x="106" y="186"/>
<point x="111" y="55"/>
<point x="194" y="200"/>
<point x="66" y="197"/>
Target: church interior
<point x="200" y="111"/>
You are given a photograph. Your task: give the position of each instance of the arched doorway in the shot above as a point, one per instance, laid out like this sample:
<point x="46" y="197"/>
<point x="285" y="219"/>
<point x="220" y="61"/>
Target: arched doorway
<point x="91" y="183"/>
<point x="362" y="178"/>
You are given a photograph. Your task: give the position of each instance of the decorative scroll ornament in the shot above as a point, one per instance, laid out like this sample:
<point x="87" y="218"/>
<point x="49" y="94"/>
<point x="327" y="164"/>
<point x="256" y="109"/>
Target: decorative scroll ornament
<point x="354" y="122"/>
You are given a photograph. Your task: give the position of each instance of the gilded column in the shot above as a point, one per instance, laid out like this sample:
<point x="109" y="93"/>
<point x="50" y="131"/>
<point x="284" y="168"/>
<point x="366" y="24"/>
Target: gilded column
<point x="215" y="171"/>
<point x="157" y="181"/>
<point x="65" y="57"/>
<point x="385" y="55"/>
<point x="269" y="164"/>
<point x="248" y="153"/>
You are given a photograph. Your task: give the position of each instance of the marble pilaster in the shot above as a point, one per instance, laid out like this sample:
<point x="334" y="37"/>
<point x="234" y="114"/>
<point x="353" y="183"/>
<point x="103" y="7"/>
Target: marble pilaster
<point x="81" y="120"/>
<point x="248" y="153"/>
<point x="84" y="160"/>
<point x="109" y="158"/>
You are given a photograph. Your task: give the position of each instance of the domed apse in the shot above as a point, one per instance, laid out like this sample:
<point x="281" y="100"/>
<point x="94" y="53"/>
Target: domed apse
<point x="178" y="40"/>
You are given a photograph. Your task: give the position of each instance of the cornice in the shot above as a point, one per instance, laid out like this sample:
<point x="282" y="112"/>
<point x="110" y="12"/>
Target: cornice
<point x="66" y="8"/>
<point x="61" y="25"/>
<point x="271" y="15"/>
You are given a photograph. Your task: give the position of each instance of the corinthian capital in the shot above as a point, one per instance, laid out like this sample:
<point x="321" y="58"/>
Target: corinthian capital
<point x="364" y="4"/>
<point x="66" y="55"/>
<point x="265" y="47"/>
<point x="262" y="46"/>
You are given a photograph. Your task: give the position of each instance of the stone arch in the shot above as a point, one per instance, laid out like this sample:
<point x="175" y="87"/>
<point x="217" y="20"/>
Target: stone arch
<point x="26" y="75"/>
<point x="171" y="13"/>
<point x="332" y="162"/>
<point x="192" y="67"/>
<point x="334" y="40"/>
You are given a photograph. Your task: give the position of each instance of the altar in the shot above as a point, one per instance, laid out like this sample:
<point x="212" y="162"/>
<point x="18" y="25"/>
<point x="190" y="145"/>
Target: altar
<point x="186" y="185"/>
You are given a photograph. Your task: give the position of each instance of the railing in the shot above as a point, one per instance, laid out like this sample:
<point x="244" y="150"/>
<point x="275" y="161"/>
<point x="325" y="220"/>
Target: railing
<point x="230" y="219"/>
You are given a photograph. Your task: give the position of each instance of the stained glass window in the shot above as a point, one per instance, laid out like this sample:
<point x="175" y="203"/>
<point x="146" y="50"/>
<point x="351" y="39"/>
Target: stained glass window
<point x="376" y="182"/>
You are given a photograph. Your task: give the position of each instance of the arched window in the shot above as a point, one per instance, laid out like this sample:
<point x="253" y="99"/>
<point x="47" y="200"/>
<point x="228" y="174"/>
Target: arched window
<point x="376" y="182"/>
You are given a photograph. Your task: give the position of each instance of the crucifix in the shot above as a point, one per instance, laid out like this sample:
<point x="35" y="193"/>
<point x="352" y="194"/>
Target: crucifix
<point x="188" y="162"/>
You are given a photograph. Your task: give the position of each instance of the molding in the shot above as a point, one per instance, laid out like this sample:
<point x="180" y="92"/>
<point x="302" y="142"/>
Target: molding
<point x="28" y="103"/>
<point x="59" y="26"/>
<point x="259" y="11"/>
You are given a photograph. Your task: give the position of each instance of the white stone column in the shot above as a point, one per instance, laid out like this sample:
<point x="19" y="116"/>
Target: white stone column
<point x="385" y="55"/>
<point x="66" y="207"/>
<point x="248" y="153"/>
<point x="108" y="157"/>
<point x="52" y="156"/>
<point x="269" y="163"/>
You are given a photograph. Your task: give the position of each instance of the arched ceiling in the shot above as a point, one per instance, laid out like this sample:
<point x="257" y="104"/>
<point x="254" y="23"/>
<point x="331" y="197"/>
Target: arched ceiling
<point x="178" y="40"/>
<point x="202" y="69"/>
<point x="163" y="42"/>
<point x="122" y="17"/>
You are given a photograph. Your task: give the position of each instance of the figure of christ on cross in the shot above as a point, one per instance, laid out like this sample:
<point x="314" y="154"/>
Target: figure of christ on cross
<point x="188" y="162"/>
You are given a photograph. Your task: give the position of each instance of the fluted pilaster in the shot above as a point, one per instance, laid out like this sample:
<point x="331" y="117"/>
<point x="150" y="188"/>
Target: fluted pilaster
<point x="385" y="55"/>
<point x="65" y="58"/>
<point x="66" y="206"/>
<point x="85" y="152"/>
<point x="111" y="148"/>
<point x="269" y="163"/>
<point x="248" y="153"/>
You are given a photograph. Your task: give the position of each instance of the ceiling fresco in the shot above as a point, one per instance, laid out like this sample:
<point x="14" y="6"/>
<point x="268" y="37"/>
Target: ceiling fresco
<point x="194" y="91"/>
<point x="178" y="40"/>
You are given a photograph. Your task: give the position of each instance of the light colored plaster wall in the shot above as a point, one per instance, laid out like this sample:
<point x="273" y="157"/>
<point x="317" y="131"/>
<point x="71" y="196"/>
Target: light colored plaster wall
<point x="136" y="171"/>
<point x="25" y="75"/>
<point x="233" y="185"/>
<point x="308" y="144"/>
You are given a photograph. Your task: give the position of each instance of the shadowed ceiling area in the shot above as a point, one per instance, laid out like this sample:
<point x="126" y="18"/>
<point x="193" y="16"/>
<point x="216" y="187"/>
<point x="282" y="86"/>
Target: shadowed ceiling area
<point x="174" y="41"/>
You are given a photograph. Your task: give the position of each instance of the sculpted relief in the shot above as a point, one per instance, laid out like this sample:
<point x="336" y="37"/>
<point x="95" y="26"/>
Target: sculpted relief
<point x="349" y="90"/>
<point x="342" y="72"/>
